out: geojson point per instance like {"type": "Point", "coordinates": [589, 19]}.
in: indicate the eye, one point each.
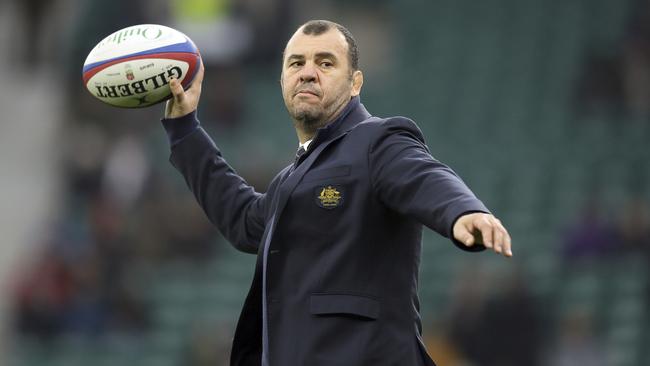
{"type": "Point", "coordinates": [295, 64]}
{"type": "Point", "coordinates": [326, 64]}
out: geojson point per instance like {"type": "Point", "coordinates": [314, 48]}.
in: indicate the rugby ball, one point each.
{"type": "Point", "coordinates": [131, 68]}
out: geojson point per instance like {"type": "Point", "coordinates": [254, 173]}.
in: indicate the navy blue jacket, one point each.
{"type": "Point", "coordinates": [342, 229]}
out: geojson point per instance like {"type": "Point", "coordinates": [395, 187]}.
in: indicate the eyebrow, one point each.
{"type": "Point", "coordinates": [319, 55]}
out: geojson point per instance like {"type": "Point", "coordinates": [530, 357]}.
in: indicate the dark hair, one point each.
{"type": "Point", "coordinates": [318, 27]}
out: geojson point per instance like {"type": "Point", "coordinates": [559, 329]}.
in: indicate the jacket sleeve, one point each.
{"type": "Point", "coordinates": [230, 203]}
{"type": "Point", "coordinates": [407, 179]}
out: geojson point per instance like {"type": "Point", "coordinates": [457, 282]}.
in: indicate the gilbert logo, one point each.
{"type": "Point", "coordinates": [139, 86]}
{"type": "Point", "coordinates": [329, 197]}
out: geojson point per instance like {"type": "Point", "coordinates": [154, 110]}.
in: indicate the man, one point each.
{"type": "Point", "coordinates": [338, 232]}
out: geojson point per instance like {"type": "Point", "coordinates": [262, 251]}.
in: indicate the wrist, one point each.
{"type": "Point", "coordinates": [178, 128]}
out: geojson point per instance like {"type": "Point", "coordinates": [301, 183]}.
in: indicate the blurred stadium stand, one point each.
{"type": "Point", "coordinates": [496, 88]}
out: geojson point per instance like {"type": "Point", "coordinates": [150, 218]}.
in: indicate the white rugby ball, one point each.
{"type": "Point", "coordinates": [131, 68]}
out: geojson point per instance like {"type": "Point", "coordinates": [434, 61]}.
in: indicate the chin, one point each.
{"type": "Point", "coordinates": [307, 115]}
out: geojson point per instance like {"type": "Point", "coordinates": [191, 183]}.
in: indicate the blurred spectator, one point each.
{"type": "Point", "coordinates": [223, 38]}
{"type": "Point", "coordinates": [440, 347]}
{"type": "Point", "coordinates": [619, 82]}
{"type": "Point", "coordinates": [636, 61]}
{"type": "Point", "coordinates": [511, 316]}
{"type": "Point", "coordinates": [576, 343]}
{"type": "Point", "coordinates": [271, 23]}
{"type": "Point", "coordinates": [31, 15]}
{"type": "Point", "coordinates": [222, 103]}
{"type": "Point", "coordinates": [42, 296]}
{"type": "Point", "coordinates": [127, 169]}
{"type": "Point", "coordinates": [209, 345]}
{"type": "Point", "coordinates": [129, 314]}
{"type": "Point", "coordinates": [221, 34]}
{"type": "Point", "coordinates": [83, 160]}
{"type": "Point", "coordinates": [590, 236]}
{"type": "Point", "coordinates": [168, 224]}
{"type": "Point", "coordinates": [635, 233]}
{"type": "Point", "coordinates": [635, 227]}
{"type": "Point", "coordinates": [600, 85]}
{"type": "Point", "coordinates": [502, 329]}
{"type": "Point", "coordinates": [79, 287]}
{"type": "Point", "coordinates": [466, 308]}
{"type": "Point", "coordinates": [87, 312]}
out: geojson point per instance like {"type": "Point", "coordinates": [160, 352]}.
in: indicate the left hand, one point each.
{"type": "Point", "coordinates": [184, 101]}
{"type": "Point", "coordinates": [482, 228]}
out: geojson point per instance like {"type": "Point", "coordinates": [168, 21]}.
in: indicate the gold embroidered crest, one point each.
{"type": "Point", "coordinates": [329, 197]}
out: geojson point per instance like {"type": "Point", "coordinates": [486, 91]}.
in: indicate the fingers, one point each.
{"type": "Point", "coordinates": [502, 243]}
{"type": "Point", "coordinates": [177, 91]}
{"type": "Point", "coordinates": [195, 86]}
{"type": "Point", "coordinates": [465, 236]}
{"type": "Point", "coordinates": [184, 101]}
{"type": "Point", "coordinates": [507, 244]}
{"type": "Point", "coordinates": [198, 79]}
{"type": "Point", "coordinates": [484, 229]}
{"type": "Point", "coordinates": [500, 238]}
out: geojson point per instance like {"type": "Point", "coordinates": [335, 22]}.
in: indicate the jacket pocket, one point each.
{"type": "Point", "coordinates": [327, 173]}
{"type": "Point", "coordinates": [344, 304]}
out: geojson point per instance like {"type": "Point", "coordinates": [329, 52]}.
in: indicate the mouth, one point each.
{"type": "Point", "coordinates": [306, 92]}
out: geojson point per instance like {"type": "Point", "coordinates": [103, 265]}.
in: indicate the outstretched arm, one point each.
{"type": "Point", "coordinates": [409, 180]}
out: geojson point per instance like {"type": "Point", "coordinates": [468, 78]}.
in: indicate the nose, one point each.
{"type": "Point", "coordinates": [308, 73]}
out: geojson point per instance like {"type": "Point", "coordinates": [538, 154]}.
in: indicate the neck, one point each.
{"type": "Point", "coordinates": [303, 136]}
{"type": "Point", "coordinates": [307, 130]}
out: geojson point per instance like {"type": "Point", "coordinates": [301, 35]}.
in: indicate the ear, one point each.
{"type": "Point", "coordinates": [357, 82]}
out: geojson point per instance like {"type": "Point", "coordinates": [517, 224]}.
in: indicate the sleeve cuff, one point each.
{"type": "Point", "coordinates": [181, 127]}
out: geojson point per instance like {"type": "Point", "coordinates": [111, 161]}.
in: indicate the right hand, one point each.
{"type": "Point", "coordinates": [184, 101]}
{"type": "Point", "coordinates": [483, 228]}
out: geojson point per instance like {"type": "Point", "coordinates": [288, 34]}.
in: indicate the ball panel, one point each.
{"type": "Point", "coordinates": [135, 39]}
{"type": "Point", "coordinates": [194, 64]}
{"type": "Point", "coordinates": [187, 47]}
{"type": "Point", "coordinates": [189, 58]}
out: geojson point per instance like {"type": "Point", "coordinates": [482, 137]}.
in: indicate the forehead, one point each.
{"type": "Point", "coordinates": [308, 44]}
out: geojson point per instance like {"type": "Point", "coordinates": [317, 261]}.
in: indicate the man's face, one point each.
{"type": "Point", "coordinates": [317, 81]}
